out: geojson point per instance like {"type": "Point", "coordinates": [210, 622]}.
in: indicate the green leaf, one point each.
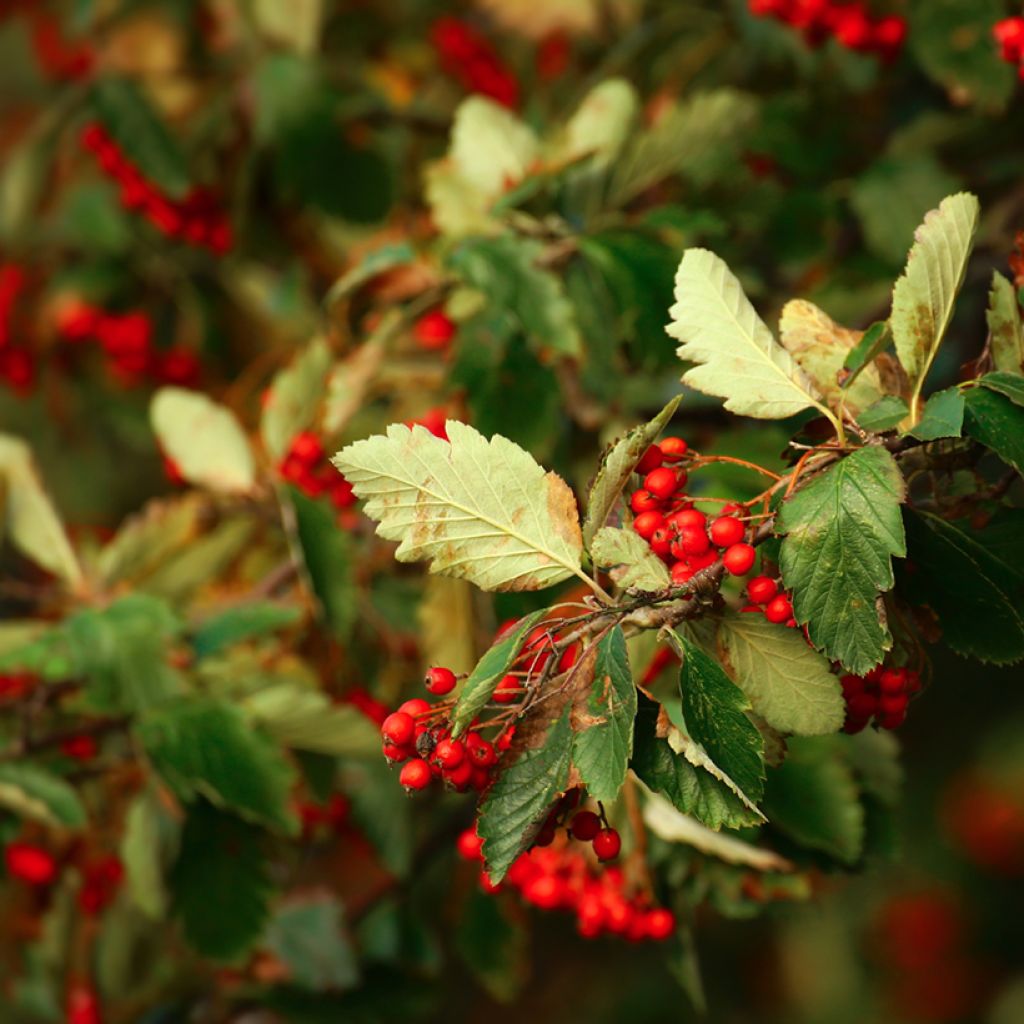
{"type": "Point", "coordinates": [715, 711]}
{"type": "Point", "coordinates": [997, 423]}
{"type": "Point", "coordinates": [203, 747]}
{"type": "Point", "coordinates": [378, 261]}
{"type": "Point", "coordinates": [813, 799]}
{"type": "Point", "coordinates": [477, 689]}
{"type": "Point", "coordinates": [292, 399]}
{"type": "Point", "coordinates": [603, 742]}
{"type": "Point", "coordinates": [630, 559]}
{"type": "Point", "coordinates": [974, 587]}
{"type": "Point", "coordinates": [942, 416]}
{"type": "Point", "coordinates": [871, 345]}
{"type": "Point", "coordinates": [515, 805]}
{"type": "Point", "coordinates": [507, 270]}
{"type": "Point", "coordinates": [923, 299]}
{"type": "Point", "coordinates": [477, 509]}
{"type": "Point", "coordinates": [874, 754]}
{"type": "Point", "coordinates": [141, 134]}
{"type": "Point", "coordinates": [326, 554]}
{"type": "Point", "coordinates": [690, 788]}
{"type": "Point", "coordinates": [886, 414]}
{"type": "Point", "coordinates": [149, 846]}
{"type": "Point", "coordinates": [617, 467]}
{"type": "Point", "coordinates": [1006, 335]}
{"type": "Point", "coordinates": [27, 514]}
{"type": "Point", "coordinates": [493, 945]}
{"type": "Point", "coordinates": [243, 622]}
{"type": "Point", "coordinates": [1009, 384]}
{"type": "Point", "coordinates": [220, 883]}
{"type": "Point", "coordinates": [308, 937]}
{"type": "Point", "coordinates": [789, 684]}
{"type": "Point", "coordinates": [381, 810]}
{"type": "Point", "coordinates": [204, 439]}
{"type": "Point", "coordinates": [841, 531]}
{"type": "Point", "coordinates": [737, 358]}
{"type": "Point", "coordinates": [304, 719]}
{"type": "Point", "coordinates": [34, 793]}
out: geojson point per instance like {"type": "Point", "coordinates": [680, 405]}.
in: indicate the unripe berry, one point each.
{"type": "Point", "coordinates": [585, 825]}
{"type": "Point", "coordinates": [778, 609]}
{"type": "Point", "coordinates": [643, 501]}
{"type": "Point", "coordinates": [761, 589]}
{"type": "Point", "coordinates": [450, 753]}
{"type": "Point", "coordinates": [661, 482]}
{"type": "Point", "coordinates": [652, 459]}
{"type": "Point", "coordinates": [727, 531]}
{"type": "Point", "coordinates": [415, 774]}
{"type": "Point", "coordinates": [673, 448]}
{"type": "Point", "coordinates": [470, 845]}
{"type": "Point", "coordinates": [607, 844]}
{"type": "Point", "coordinates": [399, 728]}
{"type": "Point", "coordinates": [739, 559]}
{"type": "Point", "coordinates": [440, 681]}
{"type": "Point", "coordinates": [508, 690]}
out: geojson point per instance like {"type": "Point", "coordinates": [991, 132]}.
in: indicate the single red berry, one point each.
{"type": "Point", "coordinates": [417, 707]}
{"type": "Point", "coordinates": [688, 519]}
{"type": "Point", "coordinates": [661, 482]}
{"type": "Point", "coordinates": [854, 725]}
{"type": "Point", "coordinates": [80, 748]}
{"type": "Point", "coordinates": [778, 609]}
{"type": "Point", "coordinates": [643, 501]}
{"type": "Point", "coordinates": [739, 559]}
{"type": "Point", "coordinates": [647, 522]}
{"type": "Point", "coordinates": [681, 573]}
{"type": "Point", "coordinates": [83, 1005]}
{"type": "Point", "coordinates": [851, 684]}
{"type": "Point", "coordinates": [892, 721]}
{"type": "Point", "coordinates": [652, 459]}
{"type": "Point", "coordinates": [307, 447]}
{"type": "Point", "coordinates": [460, 777]}
{"type": "Point", "coordinates": [893, 680]}
{"type": "Point", "coordinates": [440, 681]}
{"type": "Point", "coordinates": [761, 589]}
{"type": "Point", "coordinates": [395, 753]}
{"type": "Point", "coordinates": [399, 728]}
{"type": "Point", "coordinates": [415, 774]}
{"type": "Point", "coordinates": [470, 845]}
{"type": "Point", "coordinates": [508, 690]}
{"type": "Point", "coordinates": [727, 531]}
{"type": "Point", "coordinates": [693, 541]}
{"type": "Point", "coordinates": [893, 703]}
{"type": "Point", "coordinates": [544, 891]}
{"type": "Point", "coordinates": [673, 448]}
{"type": "Point", "coordinates": [659, 923]}
{"type": "Point", "coordinates": [585, 825]}
{"type": "Point", "coordinates": [607, 844]}
{"type": "Point", "coordinates": [434, 330]}
{"type": "Point", "coordinates": [30, 864]}
{"type": "Point", "coordinates": [481, 752]}
{"type": "Point", "coordinates": [450, 753]}
{"type": "Point", "coordinates": [569, 657]}
{"type": "Point", "coordinates": [661, 541]}
{"type": "Point", "coordinates": [861, 705]}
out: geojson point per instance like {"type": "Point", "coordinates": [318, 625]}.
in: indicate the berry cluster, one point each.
{"type": "Point", "coordinates": [330, 817]}
{"type": "Point", "coordinates": [197, 219]}
{"type": "Point", "coordinates": [306, 466]}
{"type": "Point", "coordinates": [126, 340]}
{"type": "Point", "coordinates": [36, 866]}
{"type": "Point", "coordinates": [17, 367]}
{"type": "Point", "coordinates": [561, 877]}
{"type": "Point", "coordinates": [434, 331]}
{"type": "Point", "coordinates": [584, 826]}
{"type": "Point", "coordinates": [100, 882]}
{"type": "Point", "coordinates": [883, 694]}
{"type": "Point", "coordinates": [849, 22]}
{"type": "Point", "coordinates": [765, 597]}
{"type": "Point", "coordinates": [678, 533]}
{"type": "Point", "coordinates": [471, 59]}
{"type": "Point", "coordinates": [1009, 34]}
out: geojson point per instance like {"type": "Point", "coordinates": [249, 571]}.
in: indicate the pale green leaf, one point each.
{"type": "Point", "coordinates": [789, 684]}
{"type": "Point", "coordinates": [292, 399]}
{"type": "Point", "coordinates": [886, 414]}
{"type": "Point", "coordinates": [148, 848]}
{"type": "Point", "coordinates": [629, 558]}
{"type": "Point", "coordinates": [477, 509]}
{"type": "Point", "coordinates": [1006, 383]}
{"type": "Point", "coordinates": [601, 124]}
{"type": "Point", "coordinates": [1004, 325]}
{"type": "Point", "coordinates": [737, 358]}
{"type": "Point", "coordinates": [841, 531]}
{"type": "Point", "coordinates": [942, 416]}
{"type": "Point", "coordinates": [204, 439]}
{"type": "Point", "coordinates": [997, 422]}
{"type": "Point", "coordinates": [308, 937]}
{"type": "Point", "coordinates": [34, 793]}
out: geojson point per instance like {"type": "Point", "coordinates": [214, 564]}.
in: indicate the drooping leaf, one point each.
{"type": "Point", "coordinates": [840, 533]}
{"type": "Point", "coordinates": [1004, 325]}
{"type": "Point", "coordinates": [789, 684]}
{"type": "Point", "coordinates": [204, 440]}
{"type": "Point", "coordinates": [39, 795]}
{"type": "Point", "coordinates": [997, 423]}
{"type": "Point", "coordinates": [617, 467]}
{"type": "Point", "coordinates": [242, 622]}
{"type": "Point", "coordinates": [477, 509]}
{"type": "Point", "coordinates": [515, 805]}
{"type": "Point", "coordinates": [28, 517]}
{"type": "Point", "coordinates": [291, 401]}
{"type": "Point", "coordinates": [603, 742]}
{"type": "Point", "coordinates": [886, 414]}
{"type": "Point", "coordinates": [715, 711]}
{"type": "Point", "coordinates": [629, 558]}
{"type": "Point", "coordinates": [1009, 384]}
{"type": "Point", "coordinates": [737, 358]}
{"type": "Point", "coordinates": [307, 935]}
{"type": "Point", "coordinates": [974, 586]}
{"type": "Point", "coordinates": [204, 747]}
{"type": "Point", "coordinates": [923, 299]}
{"type": "Point", "coordinates": [942, 416]}
{"type": "Point", "coordinates": [477, 689]}
{"type": "Point", "coordinates": [149, 847]}
{"type": "Point", "coordinates": [220, 883]}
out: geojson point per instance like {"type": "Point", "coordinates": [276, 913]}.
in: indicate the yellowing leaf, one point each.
{"type": "Point", "coordinates": [737, 358]}
{"type": "Point", "coordinates": [601, 123]}
{"type": "Point", "coordinates": [204, 439]}
{"type": "Point", "coordinates": [476, 509]}
{"type": "Point", "coordinates": [447, 623]}
{"type": "Point", "coordinates": [1003, 316]}
{"type": "Point", "coordinates": [820, 346]}
{"type": "Point", "coordinates": [922, 301]}
{"type": "Point", "coordinates": [630, 559]}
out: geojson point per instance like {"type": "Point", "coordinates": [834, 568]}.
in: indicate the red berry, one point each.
{"type": "Point", "coordinates": [569, 657]}
{"type": "Point", "coordinates": [647, 522]}
{"type": "Point", "coordinates": [861, 705]}
{"type": "Point", "coordinates": [739, 559]}
{"type": "Point", "coordinates": [396, 753]}
{"type": "Point", "coordinates": [399, 728]}
{"type": "Point", "coordinates": [440, 681]}
{"type": "Point", "coordinates": [893, 703]}
{"type": "Point", "coordinates": [851, 685]}
{"type": "Point", "coordinates": [434, 330]}
{"type": "Point", "coordinates": [688, 519]}
{"type": "Point", "coordinates": [659, 923]}
{"type": "Point", "coordinates": [893, 680]}
{"type": "Point", "coordinates": [651, 460]}
{"type": "Point", "coordinates": [643, 501]}
{"type": "Point", "coordinates": [83, 1005]}
{"type": "Point", "coordinates": [694, 541]}
{"type": "Point", "coordinates": [29, 863]}
{"type": "Point", "coordinates": [854, 725]}
{"type": "Point", "coordinates": [661, 482]}
{"type": "Point", "coordinates": [450, 753]}
{"type": "Point", "coordinates": [761, 589]}
{"type": "Point", "coordinates": [416, 708]}
{"type": "Point", "coordinates": [607, 844]}
{"type": "Point", "coordinates": [470, 845]}
{"type": "Point", "coordinates": [778, 609]}
{"type": "Point", "coordinates": [673, 448]}
{"type": "Point", "coordinates": [727, 531]}
{"type": "Point", "coordinates": [661, 541]}
{"type": "Point", "coordinates": [544, 891]}
{"type": "Point", "coordinates": [893, 720]}
{"type": "Point", "coordinates": [460, 776]}
{"type": "Point", "coordinates": [681, 573]}
{"type": "Point", "coordinates": [307, 447]}
{"type": "Point", "coordinates": [508, 690]}
{"type": "Point", "coordinates": [585, 825]}
{"type": "Point", "coordinates": [415, 774]}
{"type": "Point", "coordinates": [481, 752]}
